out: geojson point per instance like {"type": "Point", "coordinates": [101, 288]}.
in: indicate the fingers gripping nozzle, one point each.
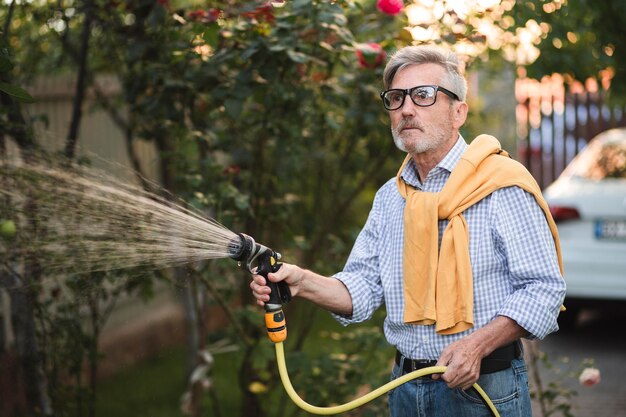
{"type": "Point", "coordinates": [261, 260]}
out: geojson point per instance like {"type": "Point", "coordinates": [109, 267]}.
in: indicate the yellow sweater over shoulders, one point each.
{"type": "Point", "coordinates": [438, 281]}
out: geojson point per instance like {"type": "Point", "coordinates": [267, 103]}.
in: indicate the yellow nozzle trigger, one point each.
{"type": "Point", "coordinates": [272, 261]}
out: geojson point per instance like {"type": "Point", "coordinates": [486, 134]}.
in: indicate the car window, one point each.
{"type": "Point", "coordinates": [600, 160]}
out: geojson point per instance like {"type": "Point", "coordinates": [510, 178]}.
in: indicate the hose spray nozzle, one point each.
{"type": "Point", "coordinates": [261, 260]}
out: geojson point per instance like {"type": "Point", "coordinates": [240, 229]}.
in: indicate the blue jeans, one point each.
{"type": "Point", "coordinates": [425, 397]}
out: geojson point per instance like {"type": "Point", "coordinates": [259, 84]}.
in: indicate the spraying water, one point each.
{"type": "Point", "coordinates": [82, 221]}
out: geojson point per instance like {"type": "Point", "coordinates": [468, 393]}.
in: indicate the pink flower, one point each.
{"type": "Point", "coordinates": [589, 377]}
{"type": "Point", "coordinates": [390, 7]}
{"type": "Point", "coordinates": [370, 55]}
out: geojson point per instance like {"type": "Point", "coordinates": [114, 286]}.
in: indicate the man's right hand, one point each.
{"type": "Point", "coordinates": [329, 293]}
{"type": "Point", "coordinates": [292, 274]}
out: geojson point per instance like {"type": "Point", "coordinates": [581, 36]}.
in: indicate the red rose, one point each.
{"type": "Point", "coordinates": [232, 170]}
{"type": "Point", "coordinates": [390, 7]}
{"type": "Point", "coordinates": [214, 14]}
{"type": "Point", "coordinates": [204, 16]}
{"type": "Point", "coordinates": [262, 13]}
{"type": "Point", "coordinates": [370, 55]}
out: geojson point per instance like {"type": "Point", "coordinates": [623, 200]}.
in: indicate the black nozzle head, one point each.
{"type": "Point", "coordinates": [241, 247]}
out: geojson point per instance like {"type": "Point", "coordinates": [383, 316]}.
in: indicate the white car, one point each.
{"type": "Point", "coordinates": [588, 202]}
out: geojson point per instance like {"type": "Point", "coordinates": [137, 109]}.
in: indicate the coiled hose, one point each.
{"type": "Point", "coordinates": [284, 376]}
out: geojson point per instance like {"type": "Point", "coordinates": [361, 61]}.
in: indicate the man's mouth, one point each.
{"type": "Point", "coordinates": [405, 125]}
{"type": "Point", "coordinates": [410, 127]}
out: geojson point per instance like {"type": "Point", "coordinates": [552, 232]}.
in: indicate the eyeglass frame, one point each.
{"type": "Point", "coordinates": [407, 92]}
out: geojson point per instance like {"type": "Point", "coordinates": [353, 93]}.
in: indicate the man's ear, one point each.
{"type": "Point", "coordinates": [459, 114]}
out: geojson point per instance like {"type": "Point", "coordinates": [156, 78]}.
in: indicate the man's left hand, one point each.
{"type": "Point", "coordinates": [462, 358]}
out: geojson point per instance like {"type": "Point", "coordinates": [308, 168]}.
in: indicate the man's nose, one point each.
{"type": "Point", "coordinates": [408, 107]}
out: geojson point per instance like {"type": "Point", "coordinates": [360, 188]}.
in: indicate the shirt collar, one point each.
{"type": "Point", "coordinates": [452, 158]}
{"type": "Point", "coordinates": [409, 174]}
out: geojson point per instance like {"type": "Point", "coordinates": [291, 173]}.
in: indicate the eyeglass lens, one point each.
{"type": "Point", "coordinates": [421, 96]}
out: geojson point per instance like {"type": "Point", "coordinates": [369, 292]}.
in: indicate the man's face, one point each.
{"type": "Point", "coordinates": [419, 130]}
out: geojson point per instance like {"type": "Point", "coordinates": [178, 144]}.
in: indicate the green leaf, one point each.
{"type": "Point", "coordinates": [301, 3]}
{"type": "Point", "coordinates": [211, 34]}
{"type": "Point", "coordinates": [157, 16]}
{"type": "Point", "coordinates": [333, 16]}
{"type": "Point", "coordinates": [277, 48]}
{"type": "Point", "coordinates": [233, 108]}
{"type": "Point", "coordinates": [249, 52]}
{"type": "Point", "coordinates": [16, 92]}
{"type": "Point", "coordinates": [298, 57]}
{"type": "Point", "coordinates": [5, 60]}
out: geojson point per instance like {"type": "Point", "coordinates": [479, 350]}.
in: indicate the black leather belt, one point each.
{"type": "Point", "coordinates": [498, 360]}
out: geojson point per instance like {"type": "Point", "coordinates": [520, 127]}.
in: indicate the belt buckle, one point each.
{"type": "Point", "coordinates": [419, 364]}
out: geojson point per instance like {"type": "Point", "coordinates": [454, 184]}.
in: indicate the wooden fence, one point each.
{"type": "Point", "coordinates": [100, 139]}
{"type": "Point", "coordinates": [555, 123]}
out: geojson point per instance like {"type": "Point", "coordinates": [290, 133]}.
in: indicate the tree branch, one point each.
{"type": "Point", "coordinates": [342, 206]}
{"type": "Point", "coordinates": [103, 101]}
{"type": "Point", "coordinates": [226, 308]}
{"type": "Point", "coordinates": [7, 22]}
{"type": "Point", "coordinates": [79, 97]}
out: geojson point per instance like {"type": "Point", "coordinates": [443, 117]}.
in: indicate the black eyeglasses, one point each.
{"type": "Point", "coordinates": [422, 95]}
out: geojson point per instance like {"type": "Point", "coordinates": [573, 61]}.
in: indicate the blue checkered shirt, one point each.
{"type": "Point", "coordinates": [514, 264]}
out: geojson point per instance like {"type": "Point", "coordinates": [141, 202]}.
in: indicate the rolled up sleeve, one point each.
{"type": "Point", "coordinates": [538, 288]}
{"type": "Point", "coordinates": [361, 274]}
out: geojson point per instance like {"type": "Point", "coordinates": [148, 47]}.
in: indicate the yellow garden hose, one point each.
{"type": "Point", "coordinates": [266, 261]}
{"type": "Point", "coordinates": [284, 376]}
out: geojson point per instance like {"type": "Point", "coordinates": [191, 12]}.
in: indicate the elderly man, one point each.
{"type": "Point", "coordinates": [460, 247]}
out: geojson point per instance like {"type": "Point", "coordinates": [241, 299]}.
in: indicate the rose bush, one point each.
{"type": "Point", "coordinates": [262, 117]}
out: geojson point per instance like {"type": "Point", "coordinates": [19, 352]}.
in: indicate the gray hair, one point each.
{"type": "Point", "coordinates": [426, 54]}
